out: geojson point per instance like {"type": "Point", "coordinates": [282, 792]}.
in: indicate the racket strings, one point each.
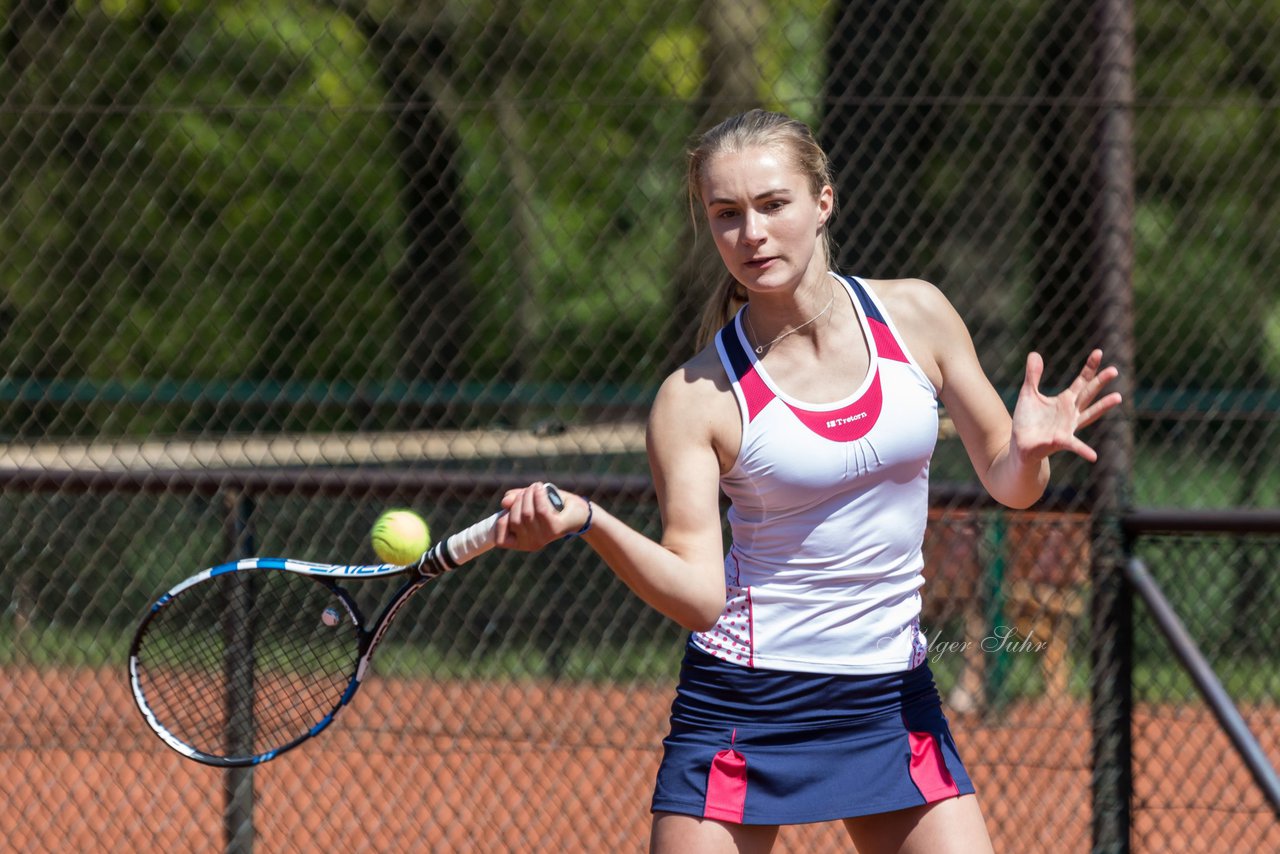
{"type": "Point", "coordinates": [244, 663]}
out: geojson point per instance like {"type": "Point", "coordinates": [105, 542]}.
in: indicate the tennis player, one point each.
{"type": "Point", "coordinates": [805, 693]}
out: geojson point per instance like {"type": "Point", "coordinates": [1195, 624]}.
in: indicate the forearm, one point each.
{"type": "Point", "coordinates": [1015, 479]}
{"type": "Point", "coordinates": [686, 588]}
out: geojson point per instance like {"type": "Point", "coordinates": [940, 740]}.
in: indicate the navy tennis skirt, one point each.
{"type": "Point", "coordinates": [756, 746]}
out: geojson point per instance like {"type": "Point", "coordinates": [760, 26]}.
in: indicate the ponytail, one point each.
{"type": "Point", "coordinates": [728, 297]}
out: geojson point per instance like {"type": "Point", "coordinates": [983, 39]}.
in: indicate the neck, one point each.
{"type": "Point", "coordinates": [787, 308]}
{"type": "Point", "coordinates": [799, 313]}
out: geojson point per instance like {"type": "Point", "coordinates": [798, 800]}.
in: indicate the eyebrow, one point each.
{"type": "Point", "coordinates": [781, 191]}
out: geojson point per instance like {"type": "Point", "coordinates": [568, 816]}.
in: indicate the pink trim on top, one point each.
{"type": "Point", "coordinates": [886, 343]}
{"type": "Point", "coordinates": [928, 769]}
{"type": "Point", "coordinates": [755, 392]}
{"type": "Point", "coordinates": [848, 423]}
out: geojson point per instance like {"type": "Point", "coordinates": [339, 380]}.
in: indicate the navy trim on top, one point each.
{"type": "Point", "coordinates": [869, 307]}
{"type": "Point", "coordinates": [737, 354]}
{"type": "Point", "coordinates": [738, 357]}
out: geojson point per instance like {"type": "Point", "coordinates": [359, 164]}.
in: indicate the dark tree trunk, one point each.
{"type": "Point", "coordinates": [431, 279]}
{"type": "Point", "coordinates": [879, 131]}
{"type": "Point", "coordinates": [1062, 166]}
{"type": "Point", "coordinates": [732, 85]}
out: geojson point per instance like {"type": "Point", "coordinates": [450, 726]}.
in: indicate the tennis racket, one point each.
{"type": "Point", "coordinates": [246, 660]}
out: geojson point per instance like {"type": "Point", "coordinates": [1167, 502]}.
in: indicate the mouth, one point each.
{"type": "Point", "coordinates": [762, 263]}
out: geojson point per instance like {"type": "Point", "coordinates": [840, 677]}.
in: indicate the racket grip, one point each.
{"type": "Point", "coordinates": [474, 541]}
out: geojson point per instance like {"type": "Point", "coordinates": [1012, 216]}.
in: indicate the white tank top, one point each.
{"type": "Point", "coordinates": [828, 510]}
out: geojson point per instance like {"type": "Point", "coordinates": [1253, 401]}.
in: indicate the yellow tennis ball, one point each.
{"type": "Point", "coordinates": [400, 537]}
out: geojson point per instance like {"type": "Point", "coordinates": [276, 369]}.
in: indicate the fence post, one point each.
{"type": "Point", "coordinates": [1111, 640]}
{"type": "Point", "coordinates": [997, 548]}
{"type": "Point", "coordinates": [1111, 697]}
{"type": "Point", "coordinates": [237, 783]}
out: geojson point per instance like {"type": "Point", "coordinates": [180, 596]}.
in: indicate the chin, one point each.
{"type": "Point", "coordinates": [779, 276]}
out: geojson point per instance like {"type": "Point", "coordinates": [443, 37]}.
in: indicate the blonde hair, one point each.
{"type": "Point", "coordinates": [755, 128]}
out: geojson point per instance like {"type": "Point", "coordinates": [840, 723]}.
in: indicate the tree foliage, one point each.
{"type": "Point", "coordinates": [199, 193]}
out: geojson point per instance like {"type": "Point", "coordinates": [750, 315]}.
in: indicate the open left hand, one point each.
{"type": "Point", "coordinates": [1043, 425]}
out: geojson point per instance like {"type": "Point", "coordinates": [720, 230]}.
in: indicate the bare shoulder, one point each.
{"type": "Point", "coordinates": [930, 326]}
{"type": "Point", "coordinates": [912, 302]}
{"type": "Point", "coordinates": [696, 386]}
{"type": "Point", "coordinates": [695, 406]}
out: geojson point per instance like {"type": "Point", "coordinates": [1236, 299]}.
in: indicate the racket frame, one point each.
{"type": "Point", "coordinates": [440, 558]}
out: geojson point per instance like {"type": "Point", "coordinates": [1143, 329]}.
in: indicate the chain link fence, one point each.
{"type": "Point", "coordinates": [267, 268]}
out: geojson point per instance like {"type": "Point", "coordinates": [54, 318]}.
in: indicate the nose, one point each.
{"type": "Point", "coordinates": [753, 231]}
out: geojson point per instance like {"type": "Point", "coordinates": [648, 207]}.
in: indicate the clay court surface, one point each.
{"type": "Point", "coordinates": [524, 766]}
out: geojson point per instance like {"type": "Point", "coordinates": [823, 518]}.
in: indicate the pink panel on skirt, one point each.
{"type": "Point", "coordinates": [726, 787]}
{"type": "Point", "coordinates": [928, 769]}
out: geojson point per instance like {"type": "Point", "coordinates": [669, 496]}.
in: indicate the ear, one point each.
{"type": "Point", "coordinates": [826, 204]}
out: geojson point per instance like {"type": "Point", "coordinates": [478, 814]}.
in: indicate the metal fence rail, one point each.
{"type": "Point", "coordinates": [1207, 682]}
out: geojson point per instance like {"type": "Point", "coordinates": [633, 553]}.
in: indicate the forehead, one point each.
{"type": "Point", "coordinates": [745, 173]}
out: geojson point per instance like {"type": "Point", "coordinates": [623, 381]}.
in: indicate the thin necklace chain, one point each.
{"type": "Point", "coordinates": [760, 348]}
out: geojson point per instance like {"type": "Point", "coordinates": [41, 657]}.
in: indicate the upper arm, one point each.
{"type": "Point", "coordinates": [685, 433]}
{"type": "Point", "coordinates": [940, 341]}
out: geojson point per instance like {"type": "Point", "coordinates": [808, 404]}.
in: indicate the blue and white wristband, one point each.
{"type": "Point", "coordinates": [586, 526]}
